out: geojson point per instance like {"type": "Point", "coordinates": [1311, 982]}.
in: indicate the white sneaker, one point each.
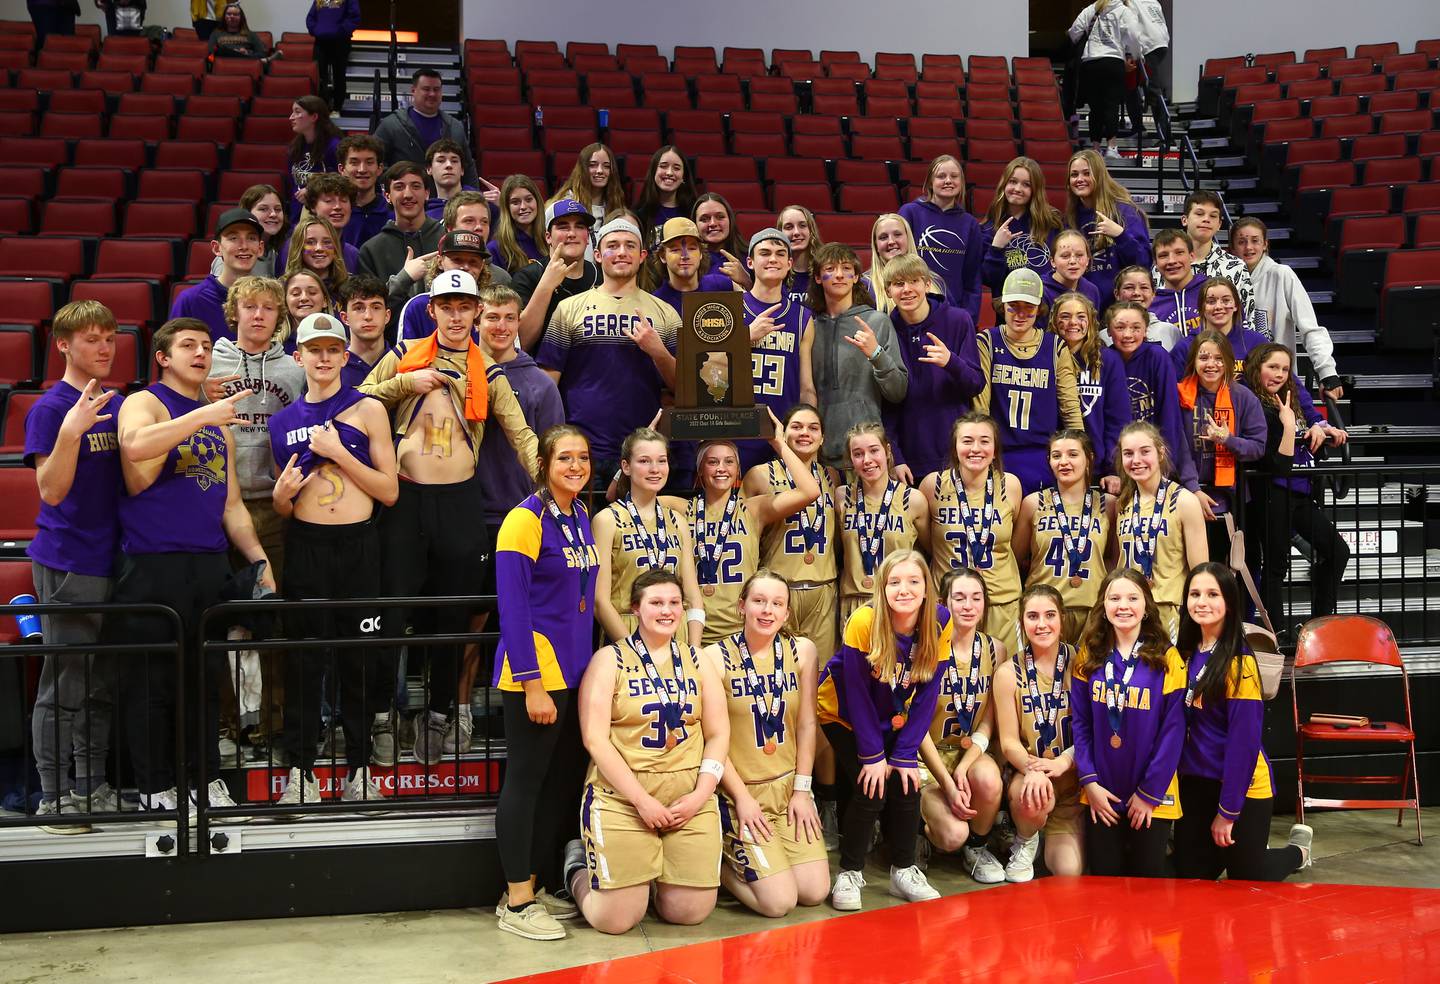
{"type": "Point", "coordinates": [299, 790]}
{"type": "Point", "coordinates": [531, 922]}
{"type": "Point", "coordinates": [1302, 836]}
{"type": "Point", "coordinates": [1112, 154]}
{"type": "Point", "coordinates": [457, 735]}
{"type": "Point", "coordinates": [217, 794]}
{"type": "Point", "coordinates": [911, 885]}
{"type": "Point", "coordinates": [845, 896]}
{"type": "Point", "coordinates": [362, 788]}
{"type": "Point", "coordinates": [102, 799]}
{"type": "Point", "coordinates": [559, 907]}
{"type": "Point", "coordinates": [983, 866]}
{"type": "Point", "coordinates": [166, 799]}
{"type": "Point", "coordinates": [1021, 866]}
{"type": "Point", "coordinates": [54, 809]}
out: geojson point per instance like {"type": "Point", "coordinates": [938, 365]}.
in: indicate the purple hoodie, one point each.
{"type": "Point", "coordinates": [1247, 441]}
{"type": "Point", "coordinates": [1180, 306]}
{"type": "Point", "coordinates": [330, 20]}
{"type": "Point", "coordinates": [506, 481]}
{"type": "Point", "coordinates": [1023, 250]}
{"type": "Point", "coordinates": [1153, 397]}
{"type": "Point", "coordinates": [952, 244]}
{"type": "Point", "coordinates": [1241, 342]}
{"type": "Point", "coordinates": [1105, 402]}
{"type": "Point", "coordinates": [1054, 289]}
{"type": "Point", "coordinates": [936, 398]}
{"type": "Point", "coordinates": [1130, 248]}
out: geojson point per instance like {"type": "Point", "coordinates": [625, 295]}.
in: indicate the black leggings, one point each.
{"type": "Point", "coordinates": [1121, 850]}
{"type": "Point", "coordinates": [540, 801]}
{"type": "Point", "coordinates": [1284, 512]}
{"type": "Point", "coordinates": [1104, 86]}
{"type": "Point", "coordinates": [897, 811]}
{"type": "Point", "coordinates": [1248, 859]}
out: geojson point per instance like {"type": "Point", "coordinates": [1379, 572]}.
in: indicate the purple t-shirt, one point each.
{"type": "Point", "coordinates": [206, 301]}
{"type": "Point", "coordinates": [82, 533]}
{"type": "Point", "coordinates": [290, 429]}
{"type": "Point", "coordinates": [354, 371]}
{"type": "Point", "coordinates": [708, 281]}
{"type": "Point", "coordinates": [430, 128]}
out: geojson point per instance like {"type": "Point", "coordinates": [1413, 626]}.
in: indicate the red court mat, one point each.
{"type": "Point", "coordinates": [1078, 929]}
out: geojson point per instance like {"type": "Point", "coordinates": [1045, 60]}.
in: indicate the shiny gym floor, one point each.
{"type": "Point", "coordinates": [1368, 910]}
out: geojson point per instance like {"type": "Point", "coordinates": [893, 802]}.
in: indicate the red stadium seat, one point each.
{"type": "Point", "coordinates": [131, 65]}
{"type": "Point", "coordinates": [933, 126]}
{"type": "Point", "coordinates": [1310, 89]}
{"type": "Point", "coordinates": [869, 199]}
{"type": "Point", "coordinates": [1378, 145]}
{"type": "Point", "coordinates": [751, 144]}
{"type": "Point", "coordinates": [89, 101]}
{"type": "Point", "coordinates": [1388, 102]}
{"type": "Point", "coordinates": [1349, 202]}
{"type": "Point", "coordinates": [19, 100]}
{"type": "Point", "coordinates": [109, 184]}
{"type": "Point", "coordinates": [225, 107]}
{"type": "Point", "coordinates": [188, 156]}
{"type": "Point", "coordinates": [23, 182]}
{"type": "Point", "coordinates": [818, 145]}
{"type": "Point", "coordinates": [1422, 198]}
{"type": "Point", "coordinates": [25, 302]}
{"type": "Point", "coordinates": [815, 197]}
{"type": "Point", "coordinates": [1416, 121]}
{"type": "Point", "coordinates": [214, 129]}
{"type": "Point", "coordinates": [44, 79]}
{"type": "Point", "coordinates": [179, 86]}
{"type": "Point", "coordinates": [240, 86]}
{"type": "Point", "coordinates": [17, 124]}
{"type": "Point", "coordinates": [153, 104]}
{"type": "Point", "coordinates": [1297, 72]}
{"type": "Point", "coordinates": [131, 301]}
{"type": "Point", "coordinates": [862, 173]}
{"type": "Point", "coordinates": [1392, 171]}
{"type": "Point", "coordinates": [43, 258]}
{"type": "Point", "coordinates": [20, 494]}
{"type": "Point", "coordinates": [17, 407]}
{"type": "Point", "coordinates": [135, 259]}
{"type": "Point", "coordinates": [233, 184]}
{"type": "Point", "coordinates": [989, 130]}
{"type": "Point", "coordinates": [86, 218]}
{"type": "Point", "coordinates": [1360, 260]}
{"type": "Point", "coordinates": [799, 170]}
{"type": "Point", "coordinates": [129, 154]}
{"type": "Point", "coordinates": [267, 130]}
{"type": "Point", "coordinates": [990, 150]}
{"type": "Point", "coordinates": [245, 158]}
{"type": "Point", "coordinates": [1377, 52]}
{"type": "Point", "coordinates": [876, 148]}
{"type": "Point", "coordinates": [990, 110]}
{"type": "Point", "coordinates": [741, 195]}
{"type": "Point", "coordinates": [242, 67]}
{"type": "Point", "coordinates": [149, 128]}
{"type": "Point", "coordinates": [1347, 126]}
{"type": "Point", "coordinates": [172, 186]}
{"type": "Point", "coordinates": [1358, 85]}
{"type": "Point", "coordinates": [1342, 67]}
{"type": "Point", "coordinates": [726, 168]}
{"type": "Point", "coordinates": [41, 151]}
{"type": "Point", "coordinates": [63, 61]}
{"type": "Point", "coordinates": [191, 65]}
{"type": "Point", "coordinates": [1422, 80]}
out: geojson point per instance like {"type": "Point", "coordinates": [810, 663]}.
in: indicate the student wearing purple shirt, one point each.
{"type": "Point", "coordinates": [71, 441]}
{"type": "Point", "coordinates": [1220, 311]}
{"type": "Point", "coordinates": [182, 513]}
{"type": "Point", "coordinates": [799, 226]}
{"type": "Point", "coordinates": [720, 234]}
{"type": "Point", "coordinates": [520, 227]}
{"type": "Point", "coordinates": [1127, 708]}
{"type": "Point", "coordinates": [876, 699]}
{"type": "Point", "coordinates": [1177, 292]}
{"type": "Point", "coordinates": [1099, 377]}
{"type": "Point", "coordinates": [947, 237]}
{"type": "Point", "coordinates": [238, 242]}
{"type": "Point", "coordinates": [1020, 226]}
{"type": "Point", "coordinates": [361, 158]}
{"type": "Point", "coordinates": [332, 198]}
{"type": "Point", "coordinates": [611, 349]}
{"type": "Point", "coordinates": [408, 131]}
{"type": "Point", "coordinates": [1101, 208]}
{"type": "Point", "coordinates": [1070, 261]}
{"type": "Point", "coordinates": [362, 308]}
{"type": "Point", "coordinates": [777, 323]}
{"type": "Point", "coordinates": [937, 344]}
{"type": "Point", "coordinates": [681, 255]}
{"type": "Point", "coordinates": [1227, 787]}
{"type": "Point", "coordinates": [1150, 380]}
{"type": "Point", "coordinates": [1226, 425]}
{"type": "Point", "coordinates": [668, 192]}
{"type": "Point", "coordinates": [313, 150]}
{"type": "Point", "coordinates": [1280, 494]}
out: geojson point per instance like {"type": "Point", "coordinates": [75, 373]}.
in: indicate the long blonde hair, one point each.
{"type": "Point", "coordinates": [884, 651]}
{"type": "Point", "coordinates": [1044, 218]}
{"type": "Point", "coordinates": [513, 257]}
{"type": "Point", "coordinates": [336, 276]}
{"type": "Point", "coordinates": [1087, 356]}
{"type": "Point", "coordinates": [880, 267]}
{"type": "Point", "coordinates": [578, 186]}
{"type": "Point", "coordinates": [1108, 193]}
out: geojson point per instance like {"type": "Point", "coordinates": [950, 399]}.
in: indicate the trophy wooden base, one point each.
{"type": "Point", "coordinates": [720, 423]}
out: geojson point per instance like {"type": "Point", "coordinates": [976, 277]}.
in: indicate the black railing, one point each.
{"type": "Point", "coordinates": [110, 655]}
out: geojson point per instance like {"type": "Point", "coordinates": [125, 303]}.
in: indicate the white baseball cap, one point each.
{"type": "Point", "coordinates": [314, 327]}
{"type": "Point", "coordinates": [454, 282]}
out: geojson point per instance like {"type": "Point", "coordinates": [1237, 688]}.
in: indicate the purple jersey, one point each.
{"type": "Point", "coordinates": [936, 396]}
{"type": "Point", "coordinates": [354, 371]}
{"type": "Point", "coordinates": [1223, 740]}
{"type": "Point", "coordinates": [1022, 392]}
{"type": "Point", "coordinates": [290, 430]}
{"type": "Point", "coordinates": [182, 509]}
{"type": "Point", "coordinates": [80, 534]}
{"type": "Point", "coordinates": [775, 363]}
{"type": "Point", "coordinates": [1105, 402]}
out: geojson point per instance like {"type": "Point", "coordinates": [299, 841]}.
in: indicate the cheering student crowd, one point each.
{"type": "Point", "coordinates": [420, 389]}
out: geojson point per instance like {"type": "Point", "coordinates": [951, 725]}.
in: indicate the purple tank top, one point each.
{"type": "Point", "coordinates": [182, 509]}
{"type": "Point", "coordinates": [1023, 399]}
{"type": "Point", "coordinates": [290, 430]}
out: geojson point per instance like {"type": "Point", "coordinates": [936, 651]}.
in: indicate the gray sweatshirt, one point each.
{"type": "Point", "coordinates": [1284, 312]}
{"type": "Point", "coordinates": [277, 380]}
{"type": "Point", "coordinates": [850, 387]}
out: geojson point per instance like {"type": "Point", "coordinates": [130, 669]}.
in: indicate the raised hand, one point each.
{"type": "Point", "coordinates": [85, 414]}
{"type": "Point", "coordinates": [643, 334]}
{"type": "Point", "coordinates": [222, 412]}
{"type": "Point", "coordinates": [215, 387]}
{"type": "Point", "coordinates": [763, 324]}
{"type": "Point", "coordinates": [491, 193]}
{"type": "Point", "coordinates": [1003, 233]}
{"type": "Point", "coordinates": [937, 353]}
{"type": "Point", "coordinates": [1107, 226]}
{"type": "Point", "coordinates": [864, 339]}
{"type": "Point", "coordinates": [291, 481]}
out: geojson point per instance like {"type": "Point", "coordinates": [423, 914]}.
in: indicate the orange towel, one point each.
{"type": "Point", "coordinates": [422, 354]}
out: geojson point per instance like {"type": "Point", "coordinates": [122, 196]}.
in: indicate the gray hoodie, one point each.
{"type": "Point", "coordinates": [277, 380]}
{"type": "Point", "coordinates": [849, 387]}
{"type": "Point", "coordinates": [1284, 312]}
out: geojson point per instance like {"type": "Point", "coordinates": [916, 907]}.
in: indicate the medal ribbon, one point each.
{"type": "Point", "coordinates": [967, 694]}
{"type": "Point", "coordinates": [1072, 535]}
{"type": "Point", "coordinates": [812, 532]}
{"type": "Point", "coordinates": [656, 546]}
{"type": "Point", "coordinates": [1045, 723]}
{"type": "Point", "coordinates": [981, 539]}
{"type": "Point", "coordinates": [1145, 534]}
{"type": "Point", "coordinates": [767, 706]}
{"type": "Point", "coordinates": [673, 713]}
{"type": "Point", "coordinates": [872, 538]}
{"type": "Point", "coordinates": [709, 553]}
{"type": "Point", "coordinates": [573, 537]}
{"type": "Point", "coordinates": [900, 688]}
{"type": "Point", "coordinates": [1193, 672]}
{"type": "Point", "coordinates": [1115, 695]}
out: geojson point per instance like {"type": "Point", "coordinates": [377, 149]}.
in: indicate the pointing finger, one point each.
{"type": "Point", "coordinates": [935, 341]}
{"type": "Point", "coordinates": [487, 184]}
{"type": "Point", "coordinates": [770, 310]}
{"type": "Point", "coordinates": [728, 256]}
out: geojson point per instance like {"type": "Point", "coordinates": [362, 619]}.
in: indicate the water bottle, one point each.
{"type": "Point", "coordinates": [28, 623]}
{"type": "Point", "coordinates": [604, 119]}
{"type": "Point", "coordinates": [539, 116]}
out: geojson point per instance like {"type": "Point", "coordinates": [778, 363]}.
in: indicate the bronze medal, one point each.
{"type": "Point", "coordinates": [867, 582]}
{"type": "Point", "coordinates": [708, 589]}
{"type": "Point", "coordinates": [897, 722]}
{"type": "Point", "coordinates": [809, 556]}
{"type": "Point", "coordinates": [1076, 580]}
{"type": "Point", "coordinates": [1050, 753]}
{"type": "Point", "coordinates": [669, 740]}
{"type": "Point", "coordinates": [1115, 741]}
{"type": "Point", "coordinates": [582, 604]}
{"type": "Point", "coordinates": [966, 741]}
{"type": "Point", "coordinates": [770, 747]}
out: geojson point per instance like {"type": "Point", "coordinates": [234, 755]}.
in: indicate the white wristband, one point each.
{"type": "Point", "coordinates": [981, 742]}
{"type": "Point", "coordinates": [695, 615]}
{"type": "Point", "coordinates": [803, 784]}
{"type": "Point", "coordinates": [713, 768]}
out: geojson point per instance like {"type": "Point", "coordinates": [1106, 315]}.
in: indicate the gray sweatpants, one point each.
{"type": "Point", "coordinates": [73, 704]}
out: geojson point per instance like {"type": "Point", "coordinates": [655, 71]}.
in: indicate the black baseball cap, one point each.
{"type": "Point", "coordinates": [463, 241]}
{"type": "Point", "coordinates": [237, 216]}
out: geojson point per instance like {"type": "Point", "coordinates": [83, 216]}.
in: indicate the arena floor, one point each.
{"type": "Point", "coordinates": [1312, 928]}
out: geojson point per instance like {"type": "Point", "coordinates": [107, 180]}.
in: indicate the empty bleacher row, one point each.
{"type": "Point", "coordinates": [1352, 145]}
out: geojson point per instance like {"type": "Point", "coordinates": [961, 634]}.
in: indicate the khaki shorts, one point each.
{"type": "Point", "coordinates": [620, 850]}
{"type": "Point", "coordinates": [1002, 623]}
{"type": "Point", "coordinates": [753, 860]}
{"type": "Point", "coordinates": [1068, 816]}
{"type": "Point", "coordinates": [813, 615]}
{"type": "Point", "coordinates": [950, 755]}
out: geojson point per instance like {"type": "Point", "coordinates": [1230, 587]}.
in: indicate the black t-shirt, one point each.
{"type": "Point", "coordinates": [525, 280]}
